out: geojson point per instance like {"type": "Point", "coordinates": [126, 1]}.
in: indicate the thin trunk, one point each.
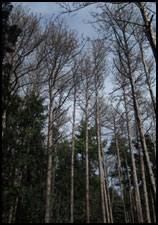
{"type": "Point", "coordinates": [99, 152]}
{"type": "Point", "coordinates": [120, 175]}
{"type": "Point", "coordinates": [112, 194]}
{"type": "Point", "coordinates": [54, 170]}
{"type": "Point", "coordinates": [87, 159]}
{"type": "Point", "coordinates": [142, 137]}
{"type": "Point", "coordinates": [50, 146]}
{"type": "Point", "coordinates": [135, 180]}
{"type": "Point", "coordinates": [145, 193]}
{"type": "Point", "coordinates": [106, 203]}
{"type": "Point", "coordinates": [53, 176]}
{"type": "Point", "coordinates": [153, 209]}
{"type": "Point", "coordinates": [72, 159]}
{"type": "Point", "coordinates": [130, 192]}
{"type": "Point", "coordinates": [148, 26]}
{"type": "Point", "coordinates": [138, 119]}
{"type": "Point", "coordinates": [3, 123]}
{"type": "Point", "coordinates": [13, 208]}
{"type": "Point", "coordinates": [148, 79]}
{"type": "Point", "coordinates": [101, 181]}
{"type": "Point", "coordinates": [106, 192]}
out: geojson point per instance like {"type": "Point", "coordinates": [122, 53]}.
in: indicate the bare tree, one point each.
{"type": "Point", "coordinates": [147, 65]}
{"type": "Point", "coordinates": [123, 82]}
{"type": "Point", "coordinates": [28, 42]}
{"type": "Point", "coordinates": [145, 12]}
{"type": "Point", "coordinates": [137, 194]}
{"type": "Point", "coordinates": [61, 45]}
{"type": "Point", "coordinates": [75, 85]}
{"type": "Point", "coordinates": [86, 94]}
{"type": "Point", "coordinates": [124, 37]}
{"type": "Point", "coordinates": [145, 193]}
{"type": "Point", "coordinates": [72, 156]}
{"type": "Point", "coordinates": [98, 59]}
{"type": "Point", "coordinates": [148, 25]}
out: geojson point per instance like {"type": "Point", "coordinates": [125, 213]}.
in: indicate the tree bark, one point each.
{"type": "Point", "coordinates": [148, 79]}
{"type": "Point", "coordinates": [137, 194]}
{"type": "Point", "coordinates": [50, 148]}
{"type": "Point", "coordinates": [148, 27]}
{"type": "Point", "coordinates": [72, 158]}
{"type": "Point", "coordinates": [120, 175]}
{"type": "Point", "coordinates": [106, 191]}
{"type": "Point", "coordinates": [138, 119]}
{"type": "Point", "coordinates": [13, 208]}
{"type": "Point", "coordinates": [130, 192]}
{"type": "Point", "coordinates": [142, 137]}
{"type": "Point", "coordinates": [145, 193]}
{"type": "Point", "coordinates": [99, 151]}
{"type": "Point", "coordinates": [87, 158]}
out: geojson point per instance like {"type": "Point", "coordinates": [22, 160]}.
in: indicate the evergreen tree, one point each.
{"type": "Point", "coordinates": [9, 36]}
{"type": "Point", "coordinates": [24, 161]}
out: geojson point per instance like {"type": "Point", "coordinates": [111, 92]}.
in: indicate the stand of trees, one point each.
{"type": "Point", "coordinates": [70, 152]}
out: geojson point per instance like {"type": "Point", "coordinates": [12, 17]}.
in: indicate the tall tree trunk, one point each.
{"type": "Point", "coordinates": [146, 200]}
{"type": "Point", "coordinates": [13, 208]}
{"type": "Point", "coordinates": [99, 151]}
{"type": "Point", "coordinates": [50, 148]}
{"type": "Point", "coordinates": [137, 194]}
{"type": "Point", "coordinates": [87, 159]}
{"type": "Point", "coordinates": [148, 27]}
{"type": "Point", "coordinates": [3, 123]}
{"type": "Point", "coordinates": [120, 174]}
{"type": "Point", "coordinates": [142, 137]}
{"type": "Point", "coordinates": [72, 158]}
{"type": "Point", "coordinates": [130, 192]}
{"type": "Point", "coordinates": [53, 175]}
{"type": "Point", "coordinates": [106, 191]}
{"type": "Point", "coordinates": [153, 209]}
{"type": "Point", "coordinates": [138, 119]}
{"type": "Point", "coordinates": [148, 79]}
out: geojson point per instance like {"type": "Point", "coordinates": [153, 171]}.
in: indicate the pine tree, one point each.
{"type": "Point", "coordinates": [24, 161]}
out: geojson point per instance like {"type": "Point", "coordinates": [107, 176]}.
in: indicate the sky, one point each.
{"type": "Point", "coordinates": [75, 21]}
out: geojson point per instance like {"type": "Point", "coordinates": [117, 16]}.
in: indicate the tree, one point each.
{"type": "Point", "coordinates": [86, 90]}
{"type": "Point", "coordinates": [144, 10]}
{"type": "Point", "coordinates": [23, 153]}
{"type": "Point", "coordinates": [61, 45]}
{"type": "Point", "coordinates": [89, 156]}
{"type": "Point", "coordinates": [10, 34]}
{"type": "Point", "coordinates": [127, 47]}
{"type": "Point", "coordinates": [98, 58]}
{"type": "Point", "coordinates": [123, 82]}
{"type": "Point", "coordinates": [80, 171]}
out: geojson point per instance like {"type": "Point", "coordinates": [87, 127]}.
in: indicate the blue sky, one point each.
{"type": "Point", "coordinates": [74, 21]}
